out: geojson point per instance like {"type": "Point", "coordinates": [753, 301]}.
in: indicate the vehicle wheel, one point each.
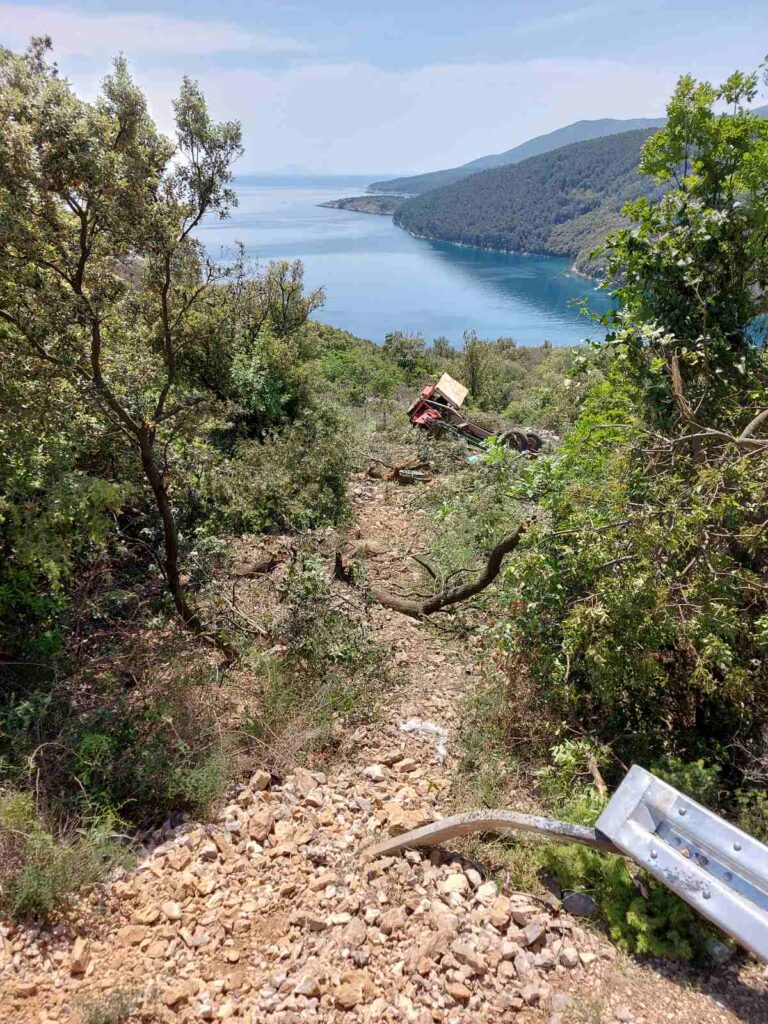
{"type": "Point", "coordinates": [535, 442]}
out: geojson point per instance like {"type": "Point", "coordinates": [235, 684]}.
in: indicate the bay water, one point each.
{"type": "Point", "coordinates": [378, 278]}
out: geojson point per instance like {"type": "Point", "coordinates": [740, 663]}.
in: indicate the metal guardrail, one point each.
{"type": "Point", "coordinates": [720, 870]}
{"type": "Point", "coordinates": [715, 867]}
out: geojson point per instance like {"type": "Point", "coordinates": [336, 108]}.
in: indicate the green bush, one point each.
{"type": "Point", "coordinates": [143, 750]}
{"type": "Point", "coordinates": [295, 479]}
{"type": "Point", "coordinates": [352, 370]}
{"type": "Point", "coordinates": [642, 915]}
{"type": "Point", "coordinates": [630, 627]}
{"type": "Point", "coordinates": [40, 870]}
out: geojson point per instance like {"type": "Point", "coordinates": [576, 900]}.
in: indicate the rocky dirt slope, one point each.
{"type": "Point", "coordinates": [271, 913]}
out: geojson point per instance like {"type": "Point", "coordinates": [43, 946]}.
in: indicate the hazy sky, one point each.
{"type": "Point", "coordinates": [330, 86]}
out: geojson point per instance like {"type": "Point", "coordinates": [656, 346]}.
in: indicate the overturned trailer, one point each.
{"type": "Point", "coordinates": [438, 409]}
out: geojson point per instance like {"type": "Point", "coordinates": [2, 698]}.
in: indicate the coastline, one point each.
{"type": "Point", "coordinates": [573, 269]}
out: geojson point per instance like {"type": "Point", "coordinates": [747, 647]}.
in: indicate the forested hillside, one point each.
{"type": "Point", "coordinates": [560, 203]}
{"type": "Point", "coordinates": [579, 132]}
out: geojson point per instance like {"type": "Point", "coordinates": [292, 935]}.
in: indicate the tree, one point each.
{"type": "Point", "coordinates": [100, 274]}
{"type": "Point", "coordinates": [441, 348]}
{"type": "Point", "coordinates": [473, 364]}
{"type": "Point", "coordinates": [691, 273]}
{"type": "Point", "coordinates": [404, 348]}
{"type": "Point", "coordinates": [250, 348]}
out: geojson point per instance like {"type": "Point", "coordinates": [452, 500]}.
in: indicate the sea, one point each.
{"type": "Point", "coordinates": [377, 278]}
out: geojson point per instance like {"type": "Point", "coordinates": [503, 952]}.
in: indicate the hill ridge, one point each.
{"type": "Point", "coordinates": [582, 130]}
{"type": "Point", "coordinates": [579, 131]}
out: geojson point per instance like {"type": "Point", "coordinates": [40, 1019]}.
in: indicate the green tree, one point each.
{"type": "Point", "coordinates": [101, 277]}
{"type": "Point", "coordinates": [690, 273]}
{"type": "Point", "coordinates": [250, 347]}
{"type": "Point", "coordinates": [441, 349]}
{"type": "Point", "coordinates": [473, 364]}
{"type": "Point", "coordinates": [404, 348]}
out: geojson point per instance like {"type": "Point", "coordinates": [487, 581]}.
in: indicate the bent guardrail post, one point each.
{"type": "Point", "coordinates": [491, 821]}
{"type": "Point", "coordinates": [715, 867]}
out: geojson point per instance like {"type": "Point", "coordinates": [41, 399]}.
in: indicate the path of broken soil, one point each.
{"type": "Point", "coordinates": [270, 914]}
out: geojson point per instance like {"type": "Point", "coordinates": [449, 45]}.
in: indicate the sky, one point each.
{"type": "Point", "coordinates": [341, 86]}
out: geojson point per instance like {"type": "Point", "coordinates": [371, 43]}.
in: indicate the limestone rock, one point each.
{"type": "Point", "coordinates": [465, 954]}
{"type": "Point", "coordinates": [260, 781]}
{"type": "Point", "coordinates": [459, 992]}
{"type": "Point", "coordinates": [356, 987]}
{"type": "Point", "coordinates": [80, 957]}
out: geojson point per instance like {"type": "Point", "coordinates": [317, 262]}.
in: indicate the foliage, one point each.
{"type": "Point", "coordinates": [405, 349]}
{"type": "Point", "coordinates": [690, 273]}
{"type": "Point", "coordinates": [114, 1008]}
{"type": "Point", "coordinates": [40, 871]}
{"type": "Point", "coordinates": [557, 203]}
{"type": "Point", "coordinates": [100, 274]}
{"type": "Point", "coordinates": [332, 668]}
{"type": "Point", "coordinates": [628, 627]}
{"type": "Point", "coordinates": [56, 502]}
{"type": "Point", "coordinates": [97, 745]}
{"type": "Point", "coordinates": [295, 479]}
{"type": "Point", "coordinates": [353, 371]}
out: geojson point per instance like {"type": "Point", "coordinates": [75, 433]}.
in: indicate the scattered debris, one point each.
{"type": "Point", "coordinates": [429, 729]}
{"type": "Point", "coordinates": [410, 472]}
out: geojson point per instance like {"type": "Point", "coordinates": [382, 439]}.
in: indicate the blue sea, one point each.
{"type": "Point", "coordinates": [377, 278]}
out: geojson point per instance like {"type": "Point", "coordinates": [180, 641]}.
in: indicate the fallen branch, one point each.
{"type": "Point", "coordinates": [448, 596]}
{"type": "Point", "coordinates": [598, 779]}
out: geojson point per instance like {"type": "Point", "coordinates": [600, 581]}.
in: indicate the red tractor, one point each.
{"type": "Point", "coordinates": [438, 409]}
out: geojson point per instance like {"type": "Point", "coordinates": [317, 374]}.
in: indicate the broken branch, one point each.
{"type": "Point", "coordinates": [448, 596]}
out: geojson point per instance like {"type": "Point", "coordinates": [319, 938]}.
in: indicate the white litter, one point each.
{"type": "Point", "coordinates": [429, 729]}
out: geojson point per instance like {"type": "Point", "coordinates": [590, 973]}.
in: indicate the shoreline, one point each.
{"type": "Point", "coordinates": [573, 269]}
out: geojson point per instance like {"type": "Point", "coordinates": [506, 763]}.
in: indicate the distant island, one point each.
{"type": "Point", "coordinates": [385, 206]}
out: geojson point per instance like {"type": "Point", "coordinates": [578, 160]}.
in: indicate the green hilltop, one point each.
{"type": "Point", "coordinates": [560, 203]}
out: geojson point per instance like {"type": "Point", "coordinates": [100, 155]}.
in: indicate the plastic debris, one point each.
{"type": "Point", "coordinates": [429, 729]}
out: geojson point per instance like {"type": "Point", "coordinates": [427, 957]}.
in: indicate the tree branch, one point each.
{"type": "Point", "coordinates": [450, 595]}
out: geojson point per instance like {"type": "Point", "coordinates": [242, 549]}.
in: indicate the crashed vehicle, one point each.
{"type": "Point", "coordinates": [438, 409]}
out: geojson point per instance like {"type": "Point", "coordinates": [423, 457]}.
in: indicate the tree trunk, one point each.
{"type": "Point", "coordinates": [157, 482]}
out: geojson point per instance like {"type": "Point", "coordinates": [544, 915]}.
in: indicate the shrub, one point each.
{"type": "Point", "coordinates": [354, 370]}
{"type": "Point", "coordinates": [144, 749]}
{"type": "Point", "coordinates": [630, 627]}
{"type": "Point", "coordinates": [39, 869]}
{"type": "Point", "coordinates": [114, 1008]}
{"type": "Point", "coordinates": [642, 915]}
{"type": "Point", "coordinates": [296, 479]}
